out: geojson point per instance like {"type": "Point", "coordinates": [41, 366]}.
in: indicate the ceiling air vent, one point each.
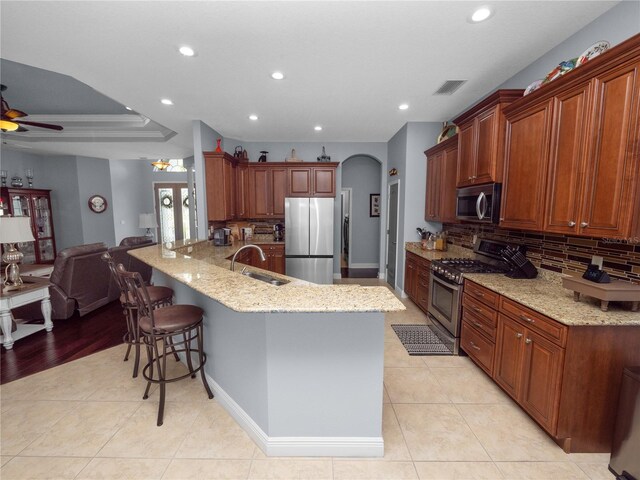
{"type": "Point", "coordinates": [450, 86]}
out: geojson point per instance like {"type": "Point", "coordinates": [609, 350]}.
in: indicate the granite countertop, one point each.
{"type": "Point", "coordinates": [545, 294]}
{"type": "Point", "coordinates": [205, 268]}
{"type": "Point", "coordinates": [453, 251]}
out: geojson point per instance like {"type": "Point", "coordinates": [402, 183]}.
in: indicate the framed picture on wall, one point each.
{"type": "Point", "coordinates": [374, 205]}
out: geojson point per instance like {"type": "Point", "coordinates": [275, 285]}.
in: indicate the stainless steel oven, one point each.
{"type": "Point", "coordinates": [445, 301]}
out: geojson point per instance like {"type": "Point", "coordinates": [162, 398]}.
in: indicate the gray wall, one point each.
{"type": "Point", "coordinates": [94, 178]}
{"type": "Point", "coordinates": [406, 154]}
{"type": "Point", "coordinates": [363, 175]}
{"type": "Point", "coordinates": [204, 140]}
{"type": "Point", "coordinates": [615, 25]}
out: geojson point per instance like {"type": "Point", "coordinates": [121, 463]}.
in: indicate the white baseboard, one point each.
{"type": "Point", "coordinates": [337, 276]}
{"type": "Point", "coordinates": [382, 275]}
{"type": "Point", "coordinates": [298, 446]}
{"type": "Point", "coordinates": [364, 265]}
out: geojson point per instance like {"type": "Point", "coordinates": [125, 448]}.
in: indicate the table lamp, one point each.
{"type": "Point", "coordinates": [148, 221]}
{"type": "Point", "coordinates": [14, 230]}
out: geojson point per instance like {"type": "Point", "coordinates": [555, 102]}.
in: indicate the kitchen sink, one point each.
{"type": "Point", "coordinates": [266, 278]}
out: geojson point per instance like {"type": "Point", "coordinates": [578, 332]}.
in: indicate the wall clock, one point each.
{"type": "Point", "coordinates": [97, 203]}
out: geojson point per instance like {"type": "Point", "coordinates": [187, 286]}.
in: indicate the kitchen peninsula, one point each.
{"type": "Point", "coordinates": [299, 366]}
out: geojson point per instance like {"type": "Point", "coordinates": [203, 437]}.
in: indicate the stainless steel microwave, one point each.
{"type": "Point", "coordinates": [480, 203]}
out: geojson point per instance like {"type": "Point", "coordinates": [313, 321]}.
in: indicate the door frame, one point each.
{"type": "Point", "coordinates": [386, 255]}
{"type": "Point", "coordinates": [156, 204]}
{"type": "Point", "coordinates": [350, 190]}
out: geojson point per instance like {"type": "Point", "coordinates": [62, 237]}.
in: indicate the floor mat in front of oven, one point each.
{"type": "Point", "coordinates": [421, 340]}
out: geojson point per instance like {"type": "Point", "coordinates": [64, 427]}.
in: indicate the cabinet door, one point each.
{"type": "Point", "coordinates": [448, 186]}
{"type": "Point", "coordinates": [422, 290]}
{"type": "Point", "coordinates": [566, 160]}
{"type": "Point", "coordinates": [410, 277]}
{"type": "Point", "coordinates": [608, 201]}
{"type": "Point", "coordinates": [278, 191]}
{"type": "Point", "coordinates": [467, 143]}
{"type": "Point", "coordinates": [541, 378]}
{"type": "Point", "coordinates": [487, 147]}
{"type": "Point", "coordinates": [260, 203]}
{"type": "Point", "coordinates": [299, 182]}
{"type": "Point", "coordinates": [242, 191]}
{"type": "Point", "coordinates": [217, 209]}
{"type": "Point", "coordinates": [277, 255]}
{"type": "Point", "coordinates": [509, 350]}
{"type": "Point", "coordinates": [229, 190]}
{"type": "Point", "coordinates": [324, 182]}
{"type": "Point", "coordinates": [434, 180]}
{"type": "Point", "coordinates": [525, 169]}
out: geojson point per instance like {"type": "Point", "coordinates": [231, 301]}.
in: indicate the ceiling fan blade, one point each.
{"type": "Point", "coordinates": [37, 124]}
{"type": "Point", "coordinates": [11, 114]}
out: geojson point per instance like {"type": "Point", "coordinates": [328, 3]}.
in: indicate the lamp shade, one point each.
{"type": "Point", "coordinates": [15, 229]}
{"type": "Point", "coordinates": [148, 220]}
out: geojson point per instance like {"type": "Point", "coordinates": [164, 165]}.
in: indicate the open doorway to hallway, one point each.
{"type": "Point", "coordinates": [360, 217]}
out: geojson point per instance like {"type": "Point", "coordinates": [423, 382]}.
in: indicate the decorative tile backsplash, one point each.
{"type": "Point", "coordinates": [559, 253]}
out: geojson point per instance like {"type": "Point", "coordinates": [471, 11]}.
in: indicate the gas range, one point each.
{"type": "Point", "coordinates": [453, 269]}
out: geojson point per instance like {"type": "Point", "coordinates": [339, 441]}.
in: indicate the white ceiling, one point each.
{"type": "Point", "coordinates": [348, 65]}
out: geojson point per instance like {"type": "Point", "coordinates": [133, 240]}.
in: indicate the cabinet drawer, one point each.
{"type": "Point", "coordinates": [424, 264]}
{"type": "Point", "coordinates": [482, 325]}
{"type": "Point", "coordinates": [535, 321]}
{"type": "Point", "coordinates": [485, 295]}
{"type": "Point", "coordinates": [479, 349]}
{"type": "Point", "coordinates": [480, 309]}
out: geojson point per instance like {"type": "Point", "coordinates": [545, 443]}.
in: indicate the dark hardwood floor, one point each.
{"type": "Point", "coordinates": [70, 339]}
{"type": "Point", "coordinates": [359, 272]}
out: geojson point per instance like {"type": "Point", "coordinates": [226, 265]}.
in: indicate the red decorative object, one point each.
{"type": "Point", "coordinates": [219, 148]}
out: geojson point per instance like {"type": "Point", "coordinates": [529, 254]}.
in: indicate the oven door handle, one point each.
{"type": "Point", "coordinates": [452, 286]}
{"type": "Point", "coordinates": [480, 213]}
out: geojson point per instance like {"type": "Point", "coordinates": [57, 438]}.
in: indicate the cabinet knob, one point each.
{"type": "Point", "coordinates": [583, 224]}
{"type": "Point", "coordinates": [518, 335]}
{"type": "Point", "coordinates": [571, 224]}
{"type": "Point", "coordinates": [527, 341]}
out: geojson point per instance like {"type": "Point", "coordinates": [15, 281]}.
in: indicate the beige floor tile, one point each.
{"type": "Point", "coordinates": [468, 385]}
{"type": "Point", "coordinates": [26, 421]}
{"type": "Point", "coordinates": [4, 459]}
{"type": "Point", "coordinates": [458, 471]}
{"type": "Point", "coordinates": [42, 468]}
{"type": "Point", "coordinates": [437, 432]}
{"type": "Point", "coordinates": [216, 435]}
{"type": "Point", "coordinates": [385, 395]}
{"type": "Point", "coordinates": [140, 437]}
{"type": "Point", "coordinates": [83, 431]}
{"type": "Point", "coordinates": [395, 448]}
{"type": "Point", "coordinates": [291, 469]}
{"type": "Point", "coordinates": [395, 355]}
{"type": "Point", "coordinates": [589, 457]}
{"type": "Point", "coordinates": [596, 471]}
{"type": "Point", "coordinates": [508, 434]}
{"type": "Point", "coordinates": [366, 470]}
{"type": "Point", "coordinates": [203, 469]}
{"type": "Point", "coordinates": [124, 469]}
{"type": "Point", "coordinates": [541, 471]}
{"type": "Point", "coordinates": [122, 388]}
{"type": "Point", "coordinates": [447, 361]}
{"type": "Point", "coordinates": [413, 385]}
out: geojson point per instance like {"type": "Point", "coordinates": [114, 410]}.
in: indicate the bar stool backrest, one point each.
{"type": "Point", "coordinates": [106, 256]}
{"type": "Point", "coordinates": [136, 290]}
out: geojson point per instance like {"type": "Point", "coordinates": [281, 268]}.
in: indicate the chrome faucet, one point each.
{"type": "Point", "coordinates": [233, 260]}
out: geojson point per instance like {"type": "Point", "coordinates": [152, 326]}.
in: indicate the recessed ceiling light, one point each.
{"type": "Point", "coordinates": [277, 75]}
{"type": "Point", "coordinates": [129, 108]}
{"type": "Point", "coordinates": [253, 117]}
{"type": "Point", "coordinates": [317, 128]}
{"type": "Point", "coordinates": [187, 51]}
{"type": "Point", "coordinates": [481, 14]}
{"type": "Point", "coordinates": [166, 101]}
{"type": "Point", "coordinates": [403, 106]}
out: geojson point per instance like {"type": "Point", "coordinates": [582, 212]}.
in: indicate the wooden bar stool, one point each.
{"type": "Point", "coordinates": [159, 297]}
{"type": "Point", "coordinates": [173, 328]}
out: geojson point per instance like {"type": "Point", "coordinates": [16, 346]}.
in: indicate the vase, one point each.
{"type": "Point", "coordinates": [218, 147]}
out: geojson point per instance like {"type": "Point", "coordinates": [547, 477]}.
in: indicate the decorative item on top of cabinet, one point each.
{"type": "Point", "coordinates": [440, 201]}
{"type": "Point", "coordinates": [588, 138]}
{"type": "Point", "coordinates": [34, 203]}
{"type": "Point", "coordinates": [481, 139]}
{"type": "Point", "coordinates": [324, 157]}
{"type": "Point", "coordinates": [221, 186]}
{"type": "Point", "coordinates": [263, 156]}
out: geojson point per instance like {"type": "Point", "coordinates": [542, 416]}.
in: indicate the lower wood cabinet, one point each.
{"type": "Point", "coordinates": [275, 259]}
{"type": "Point", "coordinates": [566, 377]}
{"type": "Point", "coordinates": [416, 280]}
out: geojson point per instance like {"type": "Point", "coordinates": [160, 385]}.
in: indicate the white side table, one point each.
{"type": "Point", "coordinates": [34, 289]}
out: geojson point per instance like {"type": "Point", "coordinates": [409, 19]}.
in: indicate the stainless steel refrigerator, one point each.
{"type": "Point", "coordinates": [308, 224]}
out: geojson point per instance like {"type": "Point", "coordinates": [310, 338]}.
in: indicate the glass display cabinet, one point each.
{"type": "Point", "coordinates": [36, 204]}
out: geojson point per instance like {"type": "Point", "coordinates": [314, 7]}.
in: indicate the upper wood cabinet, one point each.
{"type": "Point", "coordinates": [268, 188]}
{"type": "Point", "coordinates": [312, 180]}
{"type": "Point", "coordinates": [221, 185]}
{"type": "Point", "coordinates": [572, 159]}
{"type": "Point", "coordinates": [242, 190]}
{"type": "Point", "coordinates": [440, 201]}
{"type": "Point", "coordinates": [481, 139]}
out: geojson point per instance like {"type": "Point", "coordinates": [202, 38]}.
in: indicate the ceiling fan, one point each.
{"type": "Point", "coordinates": [9, 120]}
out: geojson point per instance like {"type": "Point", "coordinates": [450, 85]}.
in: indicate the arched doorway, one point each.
{"type": "Point", "coordinates": [360, 217]}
